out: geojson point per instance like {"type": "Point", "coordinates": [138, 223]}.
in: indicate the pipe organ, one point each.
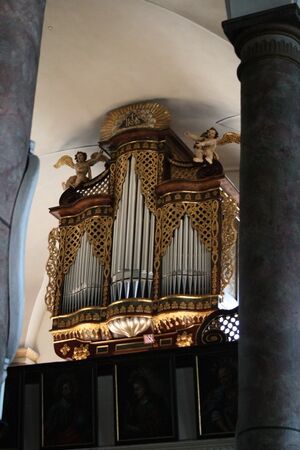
{"type": "Point", "coordinates": [145, 252]}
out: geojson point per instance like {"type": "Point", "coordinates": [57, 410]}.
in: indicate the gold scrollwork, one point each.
{"type": "Point", "coordinates": [119, 175]}
{"type": "Point", "coordinates": [214, 246]}
{"type": "Point", "coordinates": [229, 237]}
{"type": "Point", "coordinates": [54, 269]}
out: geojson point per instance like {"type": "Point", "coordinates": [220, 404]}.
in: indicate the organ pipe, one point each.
{"type": "Point", "coordinates": [83, 282]}
{"type": "Point", "coordinates": [186, 266]}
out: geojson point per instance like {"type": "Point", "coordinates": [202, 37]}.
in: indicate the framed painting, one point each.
{"type": "Point", "coordinates": [217, 385]}
{"type": "Point", "coordinates": [145, 400]}
{"type": "Point", "coordinates": [68, 407]}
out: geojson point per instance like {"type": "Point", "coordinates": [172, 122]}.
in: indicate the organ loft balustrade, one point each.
{"type": "Point", "coordinates": [145, 254]}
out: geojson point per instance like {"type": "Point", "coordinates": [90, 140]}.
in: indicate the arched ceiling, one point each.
{"type": "Point", "coordinates": [97, 55]}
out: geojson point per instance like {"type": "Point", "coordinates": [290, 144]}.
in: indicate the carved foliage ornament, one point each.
{"type": "Point", "coordinates": [81, 352]}
{"type": "Point", "coordinates": [54, 268]}
{"type": "Point", "coordinates": [229, 237]}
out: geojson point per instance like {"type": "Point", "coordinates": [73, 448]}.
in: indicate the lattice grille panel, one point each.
{"type": "Point", "coordinates": [102, 187]}
{"type": "Point", "coordinates": [230, 326]}
{"type": "Point", "coordinates": [147, 169]}
{"type": "Point", "coordinates": [71, 244]}
{"type": "Point", "coordinates": [202, 217]}
{"type": "Point", "coordinates": [223, 327]}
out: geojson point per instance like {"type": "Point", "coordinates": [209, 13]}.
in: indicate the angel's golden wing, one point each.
{"type": "Point", "coordinates": [230, 137]}
{"type": "Point", "coordinates": [99, 156]}
{"type": "Point", "coordinates": [64, 160]}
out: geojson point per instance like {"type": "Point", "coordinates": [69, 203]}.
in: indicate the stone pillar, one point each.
{"type": "Point", "coordinates": [268, 44]}
{"type": "Point", "coordinates": [20, 34]}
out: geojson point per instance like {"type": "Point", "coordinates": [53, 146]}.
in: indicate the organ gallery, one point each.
{"type": "Point", "coordinates": [145, 254]}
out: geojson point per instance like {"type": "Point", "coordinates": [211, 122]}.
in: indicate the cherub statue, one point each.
{"type": "Point", "coordinates": [82, 167]}
{"type": "Point", "coordinates": [205, 145]}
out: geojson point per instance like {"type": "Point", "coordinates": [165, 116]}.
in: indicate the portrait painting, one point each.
{"type": "Point", "coordinates": [218, 392]}
{"type": "Point", "coordinates": [10, 432]}
{"type": "Point", "coordinates": [68, 408]}
{"type": "Point", "coordinates": [145, 401]}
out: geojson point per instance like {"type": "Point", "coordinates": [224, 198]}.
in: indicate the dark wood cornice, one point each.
{"type": "Point", "coordinates": [170, 186]}
{"type": "Point", "coordinates": [81, 205]}
{"type": "Point", "coordinates": [176, 146]}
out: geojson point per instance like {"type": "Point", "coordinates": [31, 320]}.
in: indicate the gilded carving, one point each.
{"type": "Point", "coordinates": [82, 167]}
{"type": "Point", "coordinates": [187, 173]}
{"type": "Point", "coordinates": [119, 175]}
{"type": "Point", "coordinates": [205, 145]}
{"type": "Point", "coordinates": [175, 320]}
{"type": "Point", "coordinates": [229, 237]}
{"type": "Point", "coordinates": [147, 169]}
{"type": "Point", "coordinates": [138, 115]}
{"type": "Point", "coordinates": [184, 339]}
{"type": "Point", "coordinates": [65, 349]}
{"type": "Point", "coordinates": [81, 352]}
{"type": "Point", "coordinates": [71, 244]}
{"type": "Point", "coordinates": [214, 246]}
{"type": "Point", "coordinates": [64, 244]}
{"type": "Point", "coordinates": [54, 269]}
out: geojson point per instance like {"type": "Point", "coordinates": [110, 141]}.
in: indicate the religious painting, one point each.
{"type": "Point", "coordinates": [145, 400]}
{"type": "Point", "coordinates": [218, 391]}
{"type": "Point", "coordinates": [10, 433]}
{"type": "Point", "coordinates": [68, 407]}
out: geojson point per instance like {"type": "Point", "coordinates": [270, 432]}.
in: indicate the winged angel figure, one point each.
{"type": "Point", "coordinates": [205, 145]}
{"type": "Point", "coordinates": [82, 167]}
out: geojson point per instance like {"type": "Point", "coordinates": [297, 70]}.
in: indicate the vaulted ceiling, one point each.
{"type": "Point", "coordinates": [97, 55]}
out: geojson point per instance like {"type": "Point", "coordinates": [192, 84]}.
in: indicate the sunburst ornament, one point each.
{"type": "Point", "coordinates": [137, 115]}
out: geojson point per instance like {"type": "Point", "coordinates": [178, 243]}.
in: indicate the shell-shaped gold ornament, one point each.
{"type": "Point", "coordinates": [137, 115]}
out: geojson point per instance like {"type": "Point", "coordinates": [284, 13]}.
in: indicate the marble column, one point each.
{"type": "Point", "coordinates": [268, 44]}
{"type": "Point", "coordinates": [20, 35]}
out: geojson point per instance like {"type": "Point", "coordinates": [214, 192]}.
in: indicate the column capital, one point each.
{"type": "Point", "coordinates": [274, 32]}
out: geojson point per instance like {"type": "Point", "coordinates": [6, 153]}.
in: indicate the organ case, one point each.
{"type": "Point", "coordinates": [145, 252]}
